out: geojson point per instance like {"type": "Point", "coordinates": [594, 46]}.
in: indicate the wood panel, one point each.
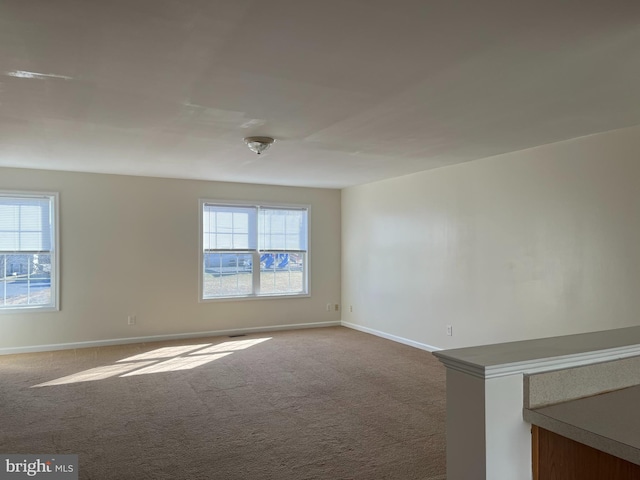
{"type": "Point", "coordinates": [560, 458]}
{"type": "Point", "coordinates": [535, 451]}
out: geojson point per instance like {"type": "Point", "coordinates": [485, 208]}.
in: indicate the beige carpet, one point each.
{"type": "Point", "coordinates": [328, 403]}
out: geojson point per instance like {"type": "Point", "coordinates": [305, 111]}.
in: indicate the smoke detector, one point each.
{"type": "Point", "coordinates": [258, 144]}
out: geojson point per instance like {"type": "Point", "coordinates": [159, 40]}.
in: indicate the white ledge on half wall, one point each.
{"type": "Point", "coordinates": [485, 397]}
{"type": "Point", "coordinates": [544, 354]}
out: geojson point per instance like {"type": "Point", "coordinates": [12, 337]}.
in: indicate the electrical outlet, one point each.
{"type": "Point", "coordinates": [336, 307]}
{"type": "Point", "coordinates": [131, 320]}
{"type": "Point", "coordinates": [328, 307]}
{"type": "Point", "coordinates": [449, 330]}
{"type": "Point", "coordinates": [351, 308]}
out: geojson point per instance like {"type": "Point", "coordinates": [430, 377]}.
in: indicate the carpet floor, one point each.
{"type": "Point", "coordinates": [327, 403]}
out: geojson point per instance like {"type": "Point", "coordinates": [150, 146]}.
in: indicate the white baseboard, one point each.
{"type": "Point", "coordinates": [158, 338]}
{"type": "Point", "coordinates": [395, 338]}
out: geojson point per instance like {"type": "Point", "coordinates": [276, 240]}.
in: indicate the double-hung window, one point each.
{"type": "Point", "coordinates": [253, 250]}
{"type": "Point", "coordinates": [28, 251]}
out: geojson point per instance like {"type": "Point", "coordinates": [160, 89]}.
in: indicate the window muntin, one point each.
{"type": "Point", "coordinates": [227, 274]}
{"type": "Point", "coordinates": [253, 251]}
{"type": "Point", "coordinates": [282, 273]}
{"type": "Point", "coordinates": [28, 258]}
{"type": "Point", "coordinates": [282, 229]}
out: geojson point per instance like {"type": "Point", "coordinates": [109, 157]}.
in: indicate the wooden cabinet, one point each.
{"type": "Point", "coordinates": [559, 458]}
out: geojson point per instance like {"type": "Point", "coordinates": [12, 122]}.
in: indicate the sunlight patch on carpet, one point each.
{"type": "Point", "coordinates": [175, 364]}
{"type": "Point", "coordinates": [99, 373]}
{"type": "Point", "coordinates": [164, 352]}
{"type": "Point", "coordinates": [232, 346]}
{"type": "Point", "coordinates": [185, 357]}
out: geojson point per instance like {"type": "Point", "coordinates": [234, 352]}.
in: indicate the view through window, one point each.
{"type": "Point", "coordinates": [27, 251]}
{"type": "Point", "coordinates": [251, 251]}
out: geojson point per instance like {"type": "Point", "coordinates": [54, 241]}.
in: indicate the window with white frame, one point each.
{"type": "Point", "coordinates": [28, 251]}
{"type": "Point", "coordinates": [253, 250]}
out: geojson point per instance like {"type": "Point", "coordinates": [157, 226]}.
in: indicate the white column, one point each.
{"type": "Point", "coordinates": [508, 436]}
{"type": "Point", "coordinates": [465, 427]}
{"type": "Point", "coordinates": [487, 439]}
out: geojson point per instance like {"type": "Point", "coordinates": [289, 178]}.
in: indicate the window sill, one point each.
{"type": "Point", "coordinates": [28, 309]}
{"type": "Point", "coordinates": [254, 297]}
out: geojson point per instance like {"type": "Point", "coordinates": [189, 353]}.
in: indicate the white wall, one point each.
{"type": "Point", "coordinates": [536, 243]}
{"type": "Point", "coordinates": [129, 245]}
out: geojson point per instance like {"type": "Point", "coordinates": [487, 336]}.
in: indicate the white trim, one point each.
{"type": "Point", "coordinates": [256, 272]}
{"type": "Point", "coordinates": [158, 338]}
{"type": "Point", "coordinates": [242, 298]}
{"type": "Point", "coordinates": [540, 364]}
{"type": "Point", "coordinates": [55, 292]}
{"type": "Point", "coordinates": [388, 336]}
{"type": "Point", "coordinates": [54, 205]}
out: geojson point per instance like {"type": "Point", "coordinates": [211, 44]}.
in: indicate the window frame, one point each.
{"type": "Point", "coordinates": [54, 202]}
{"type": "Point", "coordinates": [255, 254]}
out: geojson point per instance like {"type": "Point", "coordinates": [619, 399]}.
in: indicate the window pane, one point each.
{"type": "Point", "coordinates": [281, 229]}
{"type": "Point", "coordinates": [25, 279]}
{"type": "Point", "coordinates": [227, 274]}
{"type": "Point", "coordinates": [25, 223]}
{"type": "Point", "coordinates": [9, 219]}
{"type": "Point", "coordinates": [225, 240]}
{"type": "Point", "coordinates": [282, 273]}
{"type": "Point", "coordinates": [232, 236]}
{"type": "Point", "coordinates": [228, 228]}
{"type": "Point", "coordinates": [8, 240]}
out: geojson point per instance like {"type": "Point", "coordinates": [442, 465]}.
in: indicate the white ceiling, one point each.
{"type": "Point", "coordinates": [353, 90]}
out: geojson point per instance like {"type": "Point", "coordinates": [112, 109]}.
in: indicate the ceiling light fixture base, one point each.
{"type": "Point", "coordinates": [258, 144]}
